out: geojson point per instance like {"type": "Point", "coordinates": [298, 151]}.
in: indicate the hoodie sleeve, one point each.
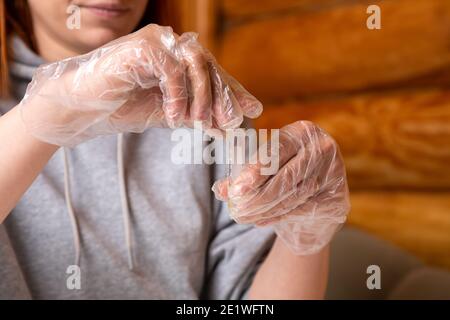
{"type": "Point", "coordinates": [12, 284]}
{"type": "Point", "coordinates": [235, 253]}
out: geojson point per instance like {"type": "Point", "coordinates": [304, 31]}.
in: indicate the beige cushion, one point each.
{"type": "Point", "coordinates": [352, 251]}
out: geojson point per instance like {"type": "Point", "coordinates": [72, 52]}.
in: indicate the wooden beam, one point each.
{"type": "Point", "coordinates": [199, 16]}
{"type": "Point", "coordinates": [332, 51]}
{"type": "Point", "coordinates": [250, 9]}
{"type": "Point", "coordinates": [397, 139]}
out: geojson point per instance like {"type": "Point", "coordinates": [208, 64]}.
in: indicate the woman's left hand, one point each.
{"type": "Point", "coordinates": [307, 200]}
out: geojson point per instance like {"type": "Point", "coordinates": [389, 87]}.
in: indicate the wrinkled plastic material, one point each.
{"type": "Point", "coordinates": [306, 201]}
{"type": "Point", "coordinates": [151, 78]}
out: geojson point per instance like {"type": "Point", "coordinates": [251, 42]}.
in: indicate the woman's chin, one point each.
{"type": "Point", "coordinates": [92, 39]}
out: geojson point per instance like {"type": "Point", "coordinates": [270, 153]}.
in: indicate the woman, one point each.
{"type": "Point", "coordinates": [137, 225]}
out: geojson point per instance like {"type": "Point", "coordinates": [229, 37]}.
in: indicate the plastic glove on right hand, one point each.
{"type": "Point", "coordinates": [151, 78]}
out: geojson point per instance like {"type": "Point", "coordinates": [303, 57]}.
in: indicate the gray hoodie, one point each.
{"type": "Point", "coordinates": [137, 225]}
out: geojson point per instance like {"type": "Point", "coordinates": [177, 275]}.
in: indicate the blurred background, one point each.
{"type": "Point", "coordinates": [383, 94]}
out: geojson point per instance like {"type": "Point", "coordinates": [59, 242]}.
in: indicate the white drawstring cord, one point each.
{"type": "Point", "coordinates": [124, 200]}
{"type": "Point", "coordinates": [73, 218]}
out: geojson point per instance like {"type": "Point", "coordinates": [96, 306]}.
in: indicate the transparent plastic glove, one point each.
{"type": "Point", "coordinates": [306, 201]}
{"type": "Point", "coordinates": [151, 78]}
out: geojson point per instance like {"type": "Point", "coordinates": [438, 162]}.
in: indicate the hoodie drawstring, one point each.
{"type": "Point", "coordinates": [73, 218]}
{"type": "Point", "coordinates": [123, 200]}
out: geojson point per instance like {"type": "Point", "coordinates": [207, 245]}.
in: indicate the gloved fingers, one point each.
{"type": "Point", "coordinates": [307, 162]}
{"type": "Point", "coordinates": [175, 97]}
{"type": "Point", "coordinates": [227, 114]}
{"type": "Point", "coordinates": [330, 205]}
{"type": "Point", "coordinates": [293, 138]}
{"type": "Point", "coordinates": [220, 188]}
{"type": "Point", "coordinates": [145, 59]}
{"type": "Point", "coordinates": [199, 82]}
{"type": "Point", "coordinates": [251, 107]}
{"type": "Point", "coordinates": [172, 77]}
{"type": "Point", "coordinates": [313, 170]}
{"type": "Point", "coordinates": [262, 211]}
{"type": "Point", "coordinates": [250, 178]}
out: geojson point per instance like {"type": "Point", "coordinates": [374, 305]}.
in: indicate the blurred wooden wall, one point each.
{"type": "Point", "coordinates": [383, 94]}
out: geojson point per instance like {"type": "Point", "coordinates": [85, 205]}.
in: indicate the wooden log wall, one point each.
{"type": "Point", "coordinates": [396, 139]}
{"type": "Point", "coordinates": [383, 94]}
{"type": "Point", "coordinates": [327, 51]}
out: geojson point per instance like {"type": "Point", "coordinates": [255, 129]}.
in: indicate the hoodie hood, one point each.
{"type": "Point", "coordinates": [23, 64]}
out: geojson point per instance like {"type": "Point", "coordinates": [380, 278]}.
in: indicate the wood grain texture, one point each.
{"type": "Point", "coordinates": [418, 222]}
{"type": "Point", "coordinates": [247, 9]}
{"type": "Point", "coordinates": [330, 51]}
{"type": "Point", "coordinates": [398, 139]}
{"type": "Point", "coordinates": [198, 16]}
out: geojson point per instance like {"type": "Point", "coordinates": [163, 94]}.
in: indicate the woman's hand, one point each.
{"type": "Point", "coordinates": [306, 200]}
{"type": "Point", "coordinates": [151, 78]}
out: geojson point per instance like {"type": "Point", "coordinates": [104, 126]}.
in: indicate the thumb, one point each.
{"type": "Point", "coordinates": [251, 107]}
{"type": "Point", "coordinates": [220, 189]}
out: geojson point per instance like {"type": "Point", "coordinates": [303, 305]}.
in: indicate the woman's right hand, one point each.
{"type": "Point", "coordinates": [151, 78]}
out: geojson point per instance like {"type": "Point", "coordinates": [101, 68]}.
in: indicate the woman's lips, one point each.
{"type": "Point", "coordinates": [106, 11]}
